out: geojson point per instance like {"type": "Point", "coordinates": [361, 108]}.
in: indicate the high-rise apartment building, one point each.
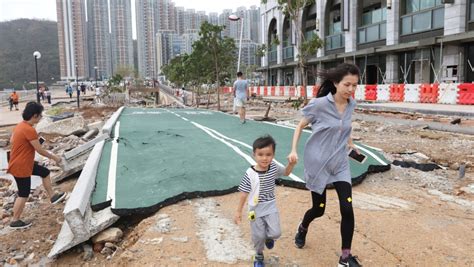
{"type": "Point", "coordinates": [146, 45]}
{"type": "Point", "coordinates": [72, 39]}
{"type": "Point", "coordinates": [180, 17]}
{"type": "Point", "coordinates": [100, 53]}
{"type": "Point", "coordinates": [121, 34]}
{"type": "Point", "coordinates": [224, 21]}
{"type": "Point", "coordinates": [214, 18]}
{"type": "Point", "coordinates": [253, 17]}
{"type": "Point", "coordinates": [164, 48]}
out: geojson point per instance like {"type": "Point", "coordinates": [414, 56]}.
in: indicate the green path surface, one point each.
{"type": "Point", "coordinates": [165, 155]}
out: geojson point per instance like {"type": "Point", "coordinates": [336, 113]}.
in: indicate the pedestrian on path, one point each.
{"type": "Point", "coordinates": [25, 142]}
{"type": "Point", "coordinates": [240, 95]}
{"type": "Point", "coordinates": [326, 152]}
{"type": "Point", "coordinates": [97, 95]}
{"type": "Point", "coordinates": [258, 189]}
{"type": "Point", "coordinates": [14, 99]}
{"type": "Point", "coordinates": [47, 92]}
{"type": "Point", "coordinates": [69, 90]}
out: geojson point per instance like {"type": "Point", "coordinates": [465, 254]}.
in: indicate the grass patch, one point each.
{"type": "Point", "coordinates": [55, 111]}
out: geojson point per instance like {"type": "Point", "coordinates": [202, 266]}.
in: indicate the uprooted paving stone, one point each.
{"type": "Point", "coordinates": [221, 238]}
{"type": "Point", "coordinates": [112, 234]}
{"type": "Point", "coordinates": [75, 125]}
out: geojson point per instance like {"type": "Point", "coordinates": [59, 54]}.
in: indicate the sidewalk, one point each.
{"type": "Point", "coordinates": [13, 117]}
{"type": "Point", "coordinates": [424, 108]}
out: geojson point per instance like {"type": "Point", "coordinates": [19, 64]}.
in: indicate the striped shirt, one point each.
{"type": "Point", "coordinates": [267, 182]}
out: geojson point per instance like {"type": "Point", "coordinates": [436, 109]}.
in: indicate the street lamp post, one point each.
{"type": "Point", "coordinates": [236, 18]}
{"type": "Point", "coordinates": [77, 89]}
{"type": "Point", "coordinates": [95, 68]}
{"type": "Point", "coordinates": [37, 56]}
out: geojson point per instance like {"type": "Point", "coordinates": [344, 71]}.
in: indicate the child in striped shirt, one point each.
{"type": "Point", "coordinates": [258, 189]}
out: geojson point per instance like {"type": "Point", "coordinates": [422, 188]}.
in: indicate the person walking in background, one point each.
{"type": "Point", "coordinates": [48, 95]}
{"type": "Point", "coordinates": [98, 92]}
{"type": "Point", "coordinates": [326, 152]}
{"type": "Point", "coordinates": [41, 92]}
{"type": "Point", "coordinates": [240, 95]}
{"type": "Point", "coordinates": [25, 142]}
{"type": "Point", "coordinates": [14, 100]}
{"type": "Point", "coordinates": [69, 90]}
{"type": "Point", "coordinates": [83, 88]}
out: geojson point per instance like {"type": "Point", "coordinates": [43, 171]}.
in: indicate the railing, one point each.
{"type": "Point", "coordinates": [335, 41]}
{"type": "Point", "coordinates": [272, 56]}
{"type": "Point", "coordinates": [423, 20]}
{"type": "Point", "coordinates": [372, 32]}
{"type": "Point", "coordinates": [288, 52]}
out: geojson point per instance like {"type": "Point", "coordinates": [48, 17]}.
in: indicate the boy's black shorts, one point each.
{"type": "Point", "coordinates": [24, 183]}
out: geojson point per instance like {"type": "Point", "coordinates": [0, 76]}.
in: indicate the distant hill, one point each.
{"type": "Point", "coordinates": [18, 40]}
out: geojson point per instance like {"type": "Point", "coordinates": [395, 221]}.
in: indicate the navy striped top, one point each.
{"type": "Point", "coordinates": [267, 182]}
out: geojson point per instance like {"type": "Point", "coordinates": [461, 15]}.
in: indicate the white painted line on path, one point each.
{"type": "Point", "coordinates": [113, 166]}
{"type": "Point", "coordinates": [222, 138]}
{"type": "Point", "coordinates": [292, 176]}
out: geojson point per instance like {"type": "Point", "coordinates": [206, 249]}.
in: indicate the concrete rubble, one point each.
{"type": "Point", "coordinates": [71, 126]}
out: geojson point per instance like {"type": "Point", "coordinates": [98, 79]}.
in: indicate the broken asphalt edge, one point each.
{"type": "Point", "coordinates": [80, 222]}
{"type": "Point", "coordinates": [375, 107]}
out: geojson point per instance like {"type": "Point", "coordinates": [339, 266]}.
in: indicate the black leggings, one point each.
{"type": "Point", "coordinates": [344, 192]}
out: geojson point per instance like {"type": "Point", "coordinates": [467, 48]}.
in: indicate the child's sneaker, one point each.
{"type": "Point", "coordinates": [258, 260]}
{"type": "Point", "coordinates": [300, 237]}
{"type": "Point", "coordinates": [351, 261]}
{"type": "Point", "coordinates": [269, 243]}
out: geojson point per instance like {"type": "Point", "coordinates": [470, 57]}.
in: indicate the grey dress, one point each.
{"type": "Point", "coordinates": [325, 153]}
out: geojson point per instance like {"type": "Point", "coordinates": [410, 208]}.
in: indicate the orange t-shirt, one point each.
{"type": "Point", "coordinates": [14, 97]}
{"type": "Point", "coordinates": [22, 154]}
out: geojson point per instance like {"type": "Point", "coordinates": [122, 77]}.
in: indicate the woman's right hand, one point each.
{"type": "Point", "coordinates": [292, 157]}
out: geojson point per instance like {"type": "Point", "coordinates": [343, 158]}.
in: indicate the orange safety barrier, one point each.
{"type": "Point", "coordinates": [302, 91]}
{"type": "Point", "coordinates": [315, 90]}
{"type": "Point", "coordinates": [265, 91]}
{"type": "Point", "coordinates": [466, 94]}
{"type": "Point", "coordinates": [282, 90]}
{"type": "Point", "coordinates": [292, 91]}
{"type": "Point", "coordinates": [397, 92]}
{"type": "Point", "coordinates": [272, 91]}
{"type": "Point", "coordinates": [371, 92]}
{"type": "Point", "coordinates": [429, 93]}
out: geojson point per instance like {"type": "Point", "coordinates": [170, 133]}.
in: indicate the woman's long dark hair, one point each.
{"type": "Point", "coordinates": [335, 75]}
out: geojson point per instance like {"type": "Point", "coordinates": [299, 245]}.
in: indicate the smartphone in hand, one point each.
{"type": "Point", "coordinates": [41, 140]}
{"type": "Point", "coordinates": [357, 157]}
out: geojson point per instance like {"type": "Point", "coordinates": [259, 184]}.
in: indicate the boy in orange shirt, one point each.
{"type": "Point", "coordinates": [22, 165]}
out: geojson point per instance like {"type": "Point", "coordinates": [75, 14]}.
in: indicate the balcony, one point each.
{"type": "Point", "coordinates": [272, 56]}
{"type": "Point", "coordinates": [288, 52]}
{"type": "Point", "coordinates": [372, 33]}
{"type": "Point", "coordinates": [424, 20]}
{"type": "Point", "coordinates": [334, 41]}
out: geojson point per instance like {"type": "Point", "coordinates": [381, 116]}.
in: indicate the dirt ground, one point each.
{"type": "Point", "coordinates": [404, 217]}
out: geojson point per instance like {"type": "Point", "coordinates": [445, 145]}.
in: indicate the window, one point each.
{"type": "Point", "coordinates": [373, 27]}
{"type": "Point", "coordinates": [471, 11]}
{"type": "Point", "coordinates": [422, 15]}
{"type": "Point", "coordinates": [422, 22]}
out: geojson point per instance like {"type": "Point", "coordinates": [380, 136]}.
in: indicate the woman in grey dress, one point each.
{"type": "Point", "coordinates": [325, 154]}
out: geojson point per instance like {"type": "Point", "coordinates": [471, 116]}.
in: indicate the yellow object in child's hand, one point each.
{"type": "Point", "coordinates": [252, 215]}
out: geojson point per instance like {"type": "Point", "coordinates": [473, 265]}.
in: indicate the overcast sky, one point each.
{"type": "Point", "coordinates": [46, 9]}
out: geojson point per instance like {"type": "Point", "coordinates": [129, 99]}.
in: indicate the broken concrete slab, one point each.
{"type": "Point", "coordinates": [108, 126]}
{"type": "Point", "coordinates": [85, 147]}
{"type": "Point", "coordinates": [98, 125]}
{"type": "Point", "coordinates": [75, 125]}
{"type": "Point", "coordinates": [80, 222]}
{"type": "Point", "coordinates": [91, 133]}
{"type": "Point", "coordinates": [66, 239]}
